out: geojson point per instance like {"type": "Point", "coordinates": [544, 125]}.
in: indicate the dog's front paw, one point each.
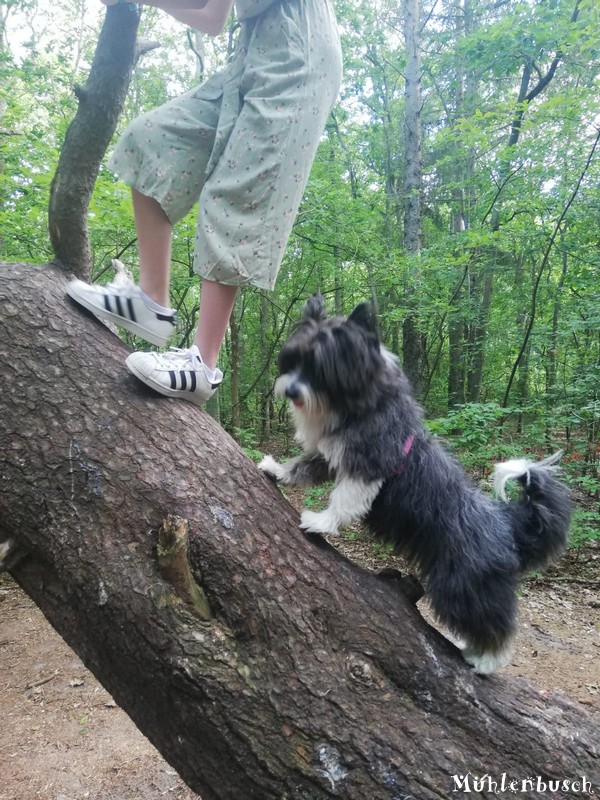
{"type": "Point", "coordinates": [272, 469]}
{"type": "Point", "coordinates": [318, 522]}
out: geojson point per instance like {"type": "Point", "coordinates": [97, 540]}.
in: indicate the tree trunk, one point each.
{"type": "Point", "coordinates": [413, 180]}
{"type": "Point", "coordinates": [266, 386]}
{"type": "Point", "coordinates": [88, 136]}
{"type": "Point", "coordinates": [478, 331]}
{"type": "Point", "coordinates": [527, 94]}
{"type": "Point", "coordinates": [552, 392]}
{"type": "Point", "coordinates": [523, 373]}
{"type": "Point", "coordinates": [456, 366]}
{"type": "Point", "coordinates": [466, 97]}
{"type": "Point", "coordinates": [308, 677]}
{"type": "Point", "coordinates": [412, 338]}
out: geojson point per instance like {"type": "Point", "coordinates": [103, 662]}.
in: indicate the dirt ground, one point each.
{"type": "Point", "coordinates": [62, 737]}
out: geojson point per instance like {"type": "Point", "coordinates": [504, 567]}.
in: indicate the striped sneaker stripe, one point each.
{"type": "Point", "coordinates": [131, 311]}
{"type": "Point", "coordinates": [183, 380]}
{"type": "Point", "coordinates": [126, 313]}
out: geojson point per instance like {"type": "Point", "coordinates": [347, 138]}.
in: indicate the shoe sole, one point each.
{"type": "Point", "coordinates": [132, 327]}
{"type": "Point", "coordinates": [164, 390]}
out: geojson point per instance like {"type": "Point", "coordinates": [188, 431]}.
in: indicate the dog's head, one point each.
{"type": "Point", "coordinates": [333, 363]}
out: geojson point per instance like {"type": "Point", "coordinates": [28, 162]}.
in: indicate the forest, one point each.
{"type": "Point", "coordinates": [487, 287]}
{"type": "Point", "coordinates": [456, 188]}
{"type": "Point", "coordinates": [463, 204]}
{"type": "Point", "coordinates": [488, 291]}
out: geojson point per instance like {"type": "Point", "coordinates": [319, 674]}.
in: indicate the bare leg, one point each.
{"type": "Point", "coordinates": [216, 305]}
{"type": "Point", "coordinates": [154, 232]}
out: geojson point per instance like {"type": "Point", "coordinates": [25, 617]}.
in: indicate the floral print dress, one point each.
{"type": "Point", "coordinates": [242, 144]}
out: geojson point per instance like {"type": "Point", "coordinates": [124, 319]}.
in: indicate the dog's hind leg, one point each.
{"type": "Point", "coordinates": [350, 501]}
{"type": "Point", "coordinates": [480, 610]}
{"type": "Point", "coordinates": [487, 662]}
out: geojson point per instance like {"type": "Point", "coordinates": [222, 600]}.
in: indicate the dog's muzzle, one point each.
{"type": "Point", "coordinates": [293, 393]}
{"type": "Point", "coordinates": [290, 387]}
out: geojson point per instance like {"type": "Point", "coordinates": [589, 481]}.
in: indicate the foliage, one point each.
{"type": "Point", "coordinates": [248, 443]}
{"type": "Point", "coordinates": [475, 431]}
{"type": "Point", "coordinates": [509, 119]}
{"type": "Point", "coordinates": [316, 497]}
{"type": "Point", "coordinates": [585, 527]}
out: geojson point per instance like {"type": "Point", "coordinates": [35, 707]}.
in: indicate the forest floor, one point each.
{"type": "Point", "coordinates": [62, 737]}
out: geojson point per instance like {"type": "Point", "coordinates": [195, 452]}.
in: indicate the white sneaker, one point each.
{"type": "Point", "coordinates": [176, 373]}
{"type": "Point", "coordinates": [124, 303]}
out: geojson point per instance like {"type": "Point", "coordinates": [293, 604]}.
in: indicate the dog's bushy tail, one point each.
{"type": "Point", "coordinates": [542, 515]}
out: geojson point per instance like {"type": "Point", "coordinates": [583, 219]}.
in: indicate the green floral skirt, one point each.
{"type": "Point", "coordinates": [243, 143]}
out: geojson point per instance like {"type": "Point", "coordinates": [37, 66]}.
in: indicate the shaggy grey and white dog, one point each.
{"type": "Point", "coordinates": [358, 422]}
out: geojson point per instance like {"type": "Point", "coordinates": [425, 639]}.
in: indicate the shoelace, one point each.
{"type": "Point", "coordinates": [115, 287]}
{"type": "Point", "coordinates": [180, 357]}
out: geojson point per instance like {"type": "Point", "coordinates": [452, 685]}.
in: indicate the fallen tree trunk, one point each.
{"type": "Point", "coordinates": [274, 668]}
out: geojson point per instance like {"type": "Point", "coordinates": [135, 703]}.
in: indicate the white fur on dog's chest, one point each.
{"type": "Point", "coordinates": [310, 434]}
{"type": "Point", "coordinates": [309, 430]}
{"type": "Point", "coordinates": [332, 451]}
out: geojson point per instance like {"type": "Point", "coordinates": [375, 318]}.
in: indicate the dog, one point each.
{"type": "Point", "coordinates": [359, 424]}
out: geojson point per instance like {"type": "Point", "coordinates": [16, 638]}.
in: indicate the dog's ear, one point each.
{"type": "Point", "coordinates": [315, 308]}
{"type": "Point", "coordinates": [364, 317]}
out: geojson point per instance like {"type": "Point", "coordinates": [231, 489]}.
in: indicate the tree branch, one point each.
{"type": "Point", "coordinates": [542, 268]}
{"type": "Point", "coordinates": [525, 97]}
{"type": "Point", "coordinates": [87, 138]}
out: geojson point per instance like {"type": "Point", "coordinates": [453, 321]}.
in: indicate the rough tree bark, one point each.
{"type": "Point", "coordinates": [312, 678]}
{"type": "Point", "coordinates": [412, 337]}
{"type": "Point", "coordinates": [88, 136]}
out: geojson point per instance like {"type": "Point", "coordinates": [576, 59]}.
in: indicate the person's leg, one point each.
{"type": "Point", "coordinates": [166, 188]}
{"type": "Point", "coordinates": [154, 232]}
{"type": "Point", "coordinates": [191, 374]}
{"type": "Point", "coordinates": [144, 309]}
{"type": "Point", "coordinates": [216, 305]}
{"type": "Point", "coordinates": [154, 244]}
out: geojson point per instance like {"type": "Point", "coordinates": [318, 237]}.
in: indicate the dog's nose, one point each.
{"type": "Point", "coordinates": [292, 392]}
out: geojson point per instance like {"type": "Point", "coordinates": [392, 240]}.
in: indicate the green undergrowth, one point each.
{"type": "Point", "coordinates": [480, 435]}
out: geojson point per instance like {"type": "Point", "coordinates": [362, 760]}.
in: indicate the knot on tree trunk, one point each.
{"type": "Point", "coordinates": [175, 567]}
